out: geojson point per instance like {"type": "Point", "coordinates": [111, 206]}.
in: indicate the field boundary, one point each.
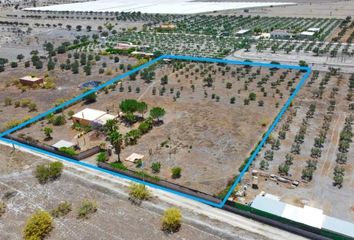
{"type": "Point", "coordinates": [306, 70]}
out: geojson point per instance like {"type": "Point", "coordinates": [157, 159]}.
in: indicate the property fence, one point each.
{"type": "Point", "coordinates": [162, 183]}
{"type": "Point", "coordinates": [282, 223]}
{"type": "Point", "coordinates": [82, 155]}
{"type": "Point", "coordinates": [241, 209]}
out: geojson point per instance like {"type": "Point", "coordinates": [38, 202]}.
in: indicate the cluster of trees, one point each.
{"type": "Point", "coordinates": [321, 138]}
{"type": "Point", "coordinates": [338, 175]}
{"type": "Point", "coordinates": [307, 172]}
{"type": "Point", "coordinates": [344, 26]}
{"type": "Point", "coordinates": [83, 60]}
{"type": "Point", "coordinates": [36, 60]}
{"type": "Point", "coordinates": [350, 91]}
{"type": "Point", "coordinates": [345, 140]}
{"type": "Point", "coordinates": [283, 168]}
{"type": "Point", "coordinates": [129, 107]}
{"type": "Point", "coordinates": [56, 120]}
{"type": "Point", "coordinates": [300, 136]}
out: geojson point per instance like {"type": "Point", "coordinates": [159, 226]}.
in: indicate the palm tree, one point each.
{"type": "Point", "coordinates": [110, 126]}
{"type": "Point", "coordinates": [116, 139]}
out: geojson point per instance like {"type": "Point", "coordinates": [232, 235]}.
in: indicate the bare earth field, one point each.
{"type": "Point", "coordinates": [208, 138]}
{"type": "Point", "coordinates": [116, 217]}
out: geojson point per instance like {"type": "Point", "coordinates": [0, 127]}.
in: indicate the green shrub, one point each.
{"type": "Point", "coordinates": [25, 102]}
{"type": "Point", "coordinates": [144, 174]}
{"type": "Point", "coordinates": [176, 172]}
{"type": "Point", "coordinates": [49, 172]}
{"type": "Point", "coordinates": [156, 167]}
{"type": "Point", "coordinates": [38, 226]}
{"type": "Point", "coordinates": [119, 166]}
{"type": "Point", "coordinates": [145, 127]}
{"type": "Point", "coordinates": [2, 208]}
{"type": "Point", "coordinates": [131, 137]}
{"type": "Point", "coordinates": [68, 150]}
{"type": "Point", "coordinates": [102, 157]}
{"type": "Point", "coordinates": [61, 210]}
{"type": "Point", "coordinates": [139, 163]}
{"type": "Point", "coordinates": [87, 207]}
{"type": "Point", "coordinates": [171, 220]}
{"type": "Point", "coordinates": [252, 96]}
{"type": "Point", "coordinates": [80, 127]}
{"type": "Point", "coordinates": [138, 193]}
{"type": "Point", "coordinates": [58, 120]}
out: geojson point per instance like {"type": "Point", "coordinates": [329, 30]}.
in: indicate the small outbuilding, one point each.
{"type": "Point", "coordinates": [243, 32]}
{"type": "Point", "coordinates": [307, 34]}
{"type": "Point", "coordinates": [63, 143]}
{"type": "Point", "coordinates": [134, 157]}
{"type": "Point", "coordinates": [168, 26]}
{"type": "Point", "coordinates": [31, 80]}
{"type": "Point", "coordinates": [281, 34]}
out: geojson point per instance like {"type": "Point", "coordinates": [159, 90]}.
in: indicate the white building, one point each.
{"type": "Point", "coordinates": [307, 34]}
{"type": "Point", "coordinates": [90, 116]}
{"type": "Point", "coordinates": [307, 215]}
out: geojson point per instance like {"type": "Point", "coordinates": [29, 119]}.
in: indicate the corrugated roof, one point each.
{"type": "Point", "coordinates": [307, 215]}
{"type": "Point", "coordinates": [104, 118]}
{"type": "Point", "coordinates": [63, 143]}
{"type": "Point", "coordinates": [269, 205]}
{"type": "Point", "coordinates": [338, 225]}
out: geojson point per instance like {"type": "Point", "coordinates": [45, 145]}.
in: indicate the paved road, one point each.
{"type": "Point", "coordinates": [317, 63]}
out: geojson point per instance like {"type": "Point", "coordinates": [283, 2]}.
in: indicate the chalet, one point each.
{"type": "Point", "coordinates": [92, 117]}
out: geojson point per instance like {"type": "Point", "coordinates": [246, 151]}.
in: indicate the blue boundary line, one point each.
{"type": "Point", "coordinates": [118, 78]}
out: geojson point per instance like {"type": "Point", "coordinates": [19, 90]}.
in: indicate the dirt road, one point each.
{"type": "Point", "coordinates": [200, 219]}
